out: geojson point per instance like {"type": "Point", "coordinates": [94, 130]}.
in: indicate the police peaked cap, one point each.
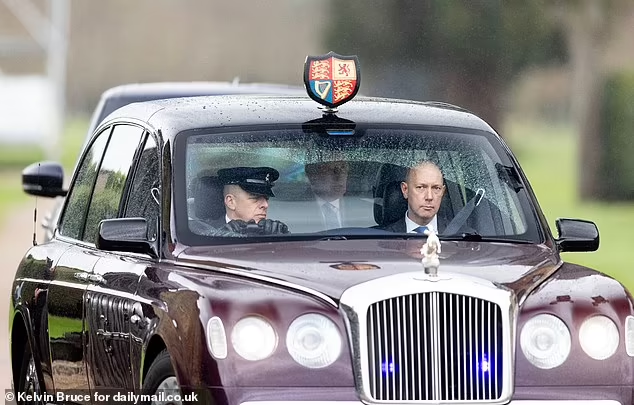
{"type": "Point", "coordinates": [255, 180]}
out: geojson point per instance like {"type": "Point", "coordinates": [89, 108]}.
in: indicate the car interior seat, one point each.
{"type": "Point", "coordinates": [389, 203]}
{"type": "Point", "coordinates": [208, 199]}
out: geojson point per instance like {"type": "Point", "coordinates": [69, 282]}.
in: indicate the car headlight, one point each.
{"type": "Point", "coordinates": [599, 337]}
{"type": "Point", "coordinates": [313, 341]}
{"type": "Point", "coordinates": [254, 338]}
{"type": "Point", "coordinates": [545, 341]}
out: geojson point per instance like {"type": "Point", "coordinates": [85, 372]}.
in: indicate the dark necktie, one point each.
{"type": "Point", "coordinates": [420, 229]}
{"type": "Point", "coordinates": [330, 216]}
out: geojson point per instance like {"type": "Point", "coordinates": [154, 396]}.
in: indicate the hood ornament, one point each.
{"type": "Point", "coordinates": [430, 252]}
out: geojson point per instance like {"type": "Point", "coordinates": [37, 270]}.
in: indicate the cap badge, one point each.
{"type": "Point", "coordinates": [332, 79]}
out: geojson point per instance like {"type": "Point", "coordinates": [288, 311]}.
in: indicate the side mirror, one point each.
{"type": "Point", "coordinates": [577, 235]}
{"type": "Point", "coordinates": [125, 235]}
{"type": "Point", "coordinates": [44, 179]}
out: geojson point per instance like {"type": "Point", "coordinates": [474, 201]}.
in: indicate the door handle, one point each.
{"type": "Point", "coordinates": [93, 278]}
{"type": "Point", "coordinates": [96, 278]}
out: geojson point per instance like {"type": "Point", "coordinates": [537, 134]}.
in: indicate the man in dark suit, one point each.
{"type": "Point", "coordinates": [423, 189]}
{"type": "Point", "coordinates": [328, 182]}
{"type": "Point", "coordinates": [246, 192]}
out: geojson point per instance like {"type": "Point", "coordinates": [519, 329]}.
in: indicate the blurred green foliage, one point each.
{"type": "Point", "coordinates": [617, 168]}
{"type": "Point", "coordinates": [104, 205]}
{"type": "Point", "coordinates": [489, 40]}
{"type": "Point", "coordinates": [73, 222]}
{"type": "Point", "coordinates": [548, 156]}
{"type": "Point", "coordinates": [10, 190]}
{"type": "Point", "coordinates": [15, 158]}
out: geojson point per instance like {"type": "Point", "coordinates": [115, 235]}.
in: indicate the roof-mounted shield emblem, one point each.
{"type": "Point", "coordinates": [332, 79]}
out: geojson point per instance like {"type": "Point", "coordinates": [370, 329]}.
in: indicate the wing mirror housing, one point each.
{"type": "Point", "coordinates": [44, 179]}
{"type": "Point", "coordinates": [125, 235]}
{"type": "Point", "coordinates": [577, 235]}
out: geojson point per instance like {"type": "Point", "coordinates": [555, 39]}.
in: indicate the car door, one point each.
{"type": "Point", "coordinates": [69, 278]}
{"type": "Point", "coordinates": [109, 297]}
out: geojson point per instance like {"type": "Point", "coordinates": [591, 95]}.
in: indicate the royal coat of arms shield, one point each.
{"type": "Point", "coordinates": [331, 79]}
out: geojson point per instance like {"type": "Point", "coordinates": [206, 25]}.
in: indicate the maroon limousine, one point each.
{"type": "Point", "coordinates": [260, 250]}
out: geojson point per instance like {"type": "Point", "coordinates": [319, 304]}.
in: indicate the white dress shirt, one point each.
{"type": "Point", "coordinates": [411, 225]}
{"type": "Point", "coordinates": [335, 204]}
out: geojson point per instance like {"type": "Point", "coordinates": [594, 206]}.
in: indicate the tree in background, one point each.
{"type": "Point", "coordinates": [462, 52]}
{"type": "Point", "coordinates": [588, 25]}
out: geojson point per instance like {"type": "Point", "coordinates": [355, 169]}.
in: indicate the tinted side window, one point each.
{"type": "Point", "coordinates": [72, 222]}
{"type": "Point", "coordinates": [110, 182]}
{"type": "Point", "coordinates": [145, 191]}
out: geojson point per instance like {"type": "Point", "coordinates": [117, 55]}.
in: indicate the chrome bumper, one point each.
{"type": "Point", "coordinates": [518, 402]}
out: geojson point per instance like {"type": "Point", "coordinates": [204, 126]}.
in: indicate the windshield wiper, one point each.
{"type": "Point", "coordinates": [476, 237]}
{"type": "Point", "coordinates": [468, 236]}
{"type": "Point", "coordinates": [334, 237]}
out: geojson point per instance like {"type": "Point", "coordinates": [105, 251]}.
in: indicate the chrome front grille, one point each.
{"type": "Point", "coordinates": [435, 346]}
{"type": "Point", "coordinates": [445, 339]}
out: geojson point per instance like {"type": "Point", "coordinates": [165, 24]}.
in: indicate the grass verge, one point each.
{"type": "Point", "coordinates": [548, 156]}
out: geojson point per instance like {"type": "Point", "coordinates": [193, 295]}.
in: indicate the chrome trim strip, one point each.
{"type": "Point", "coordinates": [517, 402]}
{"type": "Point", "coordinates": [435, 345]}
{"type": "Point", "coordinates": [84, 286]}
{"type": "Point", "coordinates": [302, 403]}
{"type": "Point", "coordinates": [87, 245]}
{"type": "Point", "coordinates": [258, 277]}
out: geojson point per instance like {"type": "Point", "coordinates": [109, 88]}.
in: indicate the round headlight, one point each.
{"type": "Point", "coordinates": [254, 338]}
{"type": "Point", "coordinates": [545, 341]}
{"type": "Point", "coordinates": [313, 341]}
{"type": "Point", "coordinates": [599, 337]}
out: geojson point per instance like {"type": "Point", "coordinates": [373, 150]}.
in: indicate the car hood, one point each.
{"type": "Point", "coordinates": [331, 267]}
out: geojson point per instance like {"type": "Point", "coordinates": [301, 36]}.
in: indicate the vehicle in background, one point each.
{"type": "Point", "coordinates": [119, 96]}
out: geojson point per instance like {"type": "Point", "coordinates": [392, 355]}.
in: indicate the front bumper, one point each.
{"type": "Point", "coordinates": [546, 395]}
{"type": "Point", "coordinates": [518, 402]}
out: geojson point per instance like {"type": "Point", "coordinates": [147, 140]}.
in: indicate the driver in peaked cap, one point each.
{"type": "Point", "coordinates": [246, 194]}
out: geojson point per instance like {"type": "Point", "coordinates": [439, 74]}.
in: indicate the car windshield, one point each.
{"type": "Point", "coordinates": [361, 175]}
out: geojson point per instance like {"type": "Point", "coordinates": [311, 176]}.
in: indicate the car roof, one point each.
{"type": "Point", "coordinates": [179, 114]}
